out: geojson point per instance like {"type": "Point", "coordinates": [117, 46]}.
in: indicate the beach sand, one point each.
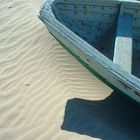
{"type": "Point", "coordinates": [46, 94]}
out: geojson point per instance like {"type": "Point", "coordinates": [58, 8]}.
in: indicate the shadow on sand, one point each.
{"type": "Point", "coordinates": [113, 118]}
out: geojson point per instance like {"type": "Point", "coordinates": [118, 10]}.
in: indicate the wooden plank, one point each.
{"type": "Point", "coordinates": [96, 17]}
{"type": "Point", "coordinates": [109, 3]}
{"type": "Point", "coordinates": [136, 22]}
{"type": "Point", "coordinates": [90, 8]}
{"type": "Point", "coordinates": [132, 4]}
{"type": "Point", "coordinates": [123, 43]}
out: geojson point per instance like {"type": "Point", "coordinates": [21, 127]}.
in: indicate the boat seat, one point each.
{"type": "Point", "coordinates": [123, 42]}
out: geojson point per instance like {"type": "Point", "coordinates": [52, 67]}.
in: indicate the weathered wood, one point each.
{"type": "Point", "coordinates": [123, 43]}
{"type": "Point", "coordinates": [74, 34]}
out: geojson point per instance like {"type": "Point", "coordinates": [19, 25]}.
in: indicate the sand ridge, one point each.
{"type": "Point", "coordinates": [47, 94]}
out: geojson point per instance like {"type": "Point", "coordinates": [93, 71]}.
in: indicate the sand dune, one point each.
{"type": "Point", "coordinates": [45, 93]}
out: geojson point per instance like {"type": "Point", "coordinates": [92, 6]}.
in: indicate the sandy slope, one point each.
{"type": "Point", "coordinates": [45, 93]}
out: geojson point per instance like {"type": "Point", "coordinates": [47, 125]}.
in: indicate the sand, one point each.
{"type": "Point", "coordinates": [46, 94]}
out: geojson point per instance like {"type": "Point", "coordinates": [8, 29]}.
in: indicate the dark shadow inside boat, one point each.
{"type": "Point", "coordinates": [105, 45]}
{"type": "Point", "coordinates": [136, 61]}
{"type": "Point", "coordinates": [110, 119]}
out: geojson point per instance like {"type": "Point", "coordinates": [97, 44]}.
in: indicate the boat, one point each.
{"type": "Point", "coordinates": [104, 35]}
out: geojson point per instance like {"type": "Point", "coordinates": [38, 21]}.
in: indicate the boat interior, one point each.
{"type": "Point", "coordinates": [112, 27]}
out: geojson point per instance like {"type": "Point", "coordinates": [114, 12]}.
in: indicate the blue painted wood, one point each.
{"type": "Point", "coordinates": [90, 34]}
{"type": "Point", "coordinates": [124, 27]}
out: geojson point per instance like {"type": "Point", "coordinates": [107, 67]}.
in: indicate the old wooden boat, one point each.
{"type": "Point", "coordinates": [103, 34]}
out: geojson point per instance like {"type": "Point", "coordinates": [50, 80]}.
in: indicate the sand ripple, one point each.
{"type": "Point", "coordinates": [45, 93]}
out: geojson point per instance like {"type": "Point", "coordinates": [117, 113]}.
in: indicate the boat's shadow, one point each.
{"type": "Point", "coordinates": [113, 118]}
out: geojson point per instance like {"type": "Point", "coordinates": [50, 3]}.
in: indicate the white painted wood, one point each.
{"type": "Point", "coordinates": [123, 53]}
{"type": "Point", "coordinates": [123, 43]}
